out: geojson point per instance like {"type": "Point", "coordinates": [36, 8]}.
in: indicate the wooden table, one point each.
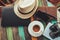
{"type": "Point", "coordinates": [15, 32]}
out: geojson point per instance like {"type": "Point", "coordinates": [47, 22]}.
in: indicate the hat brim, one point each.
{"type": "Point", "coordinates": [20, 15]}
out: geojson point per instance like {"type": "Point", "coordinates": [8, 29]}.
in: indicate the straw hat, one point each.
{"type": "Point", "coordinates": [25, 8]}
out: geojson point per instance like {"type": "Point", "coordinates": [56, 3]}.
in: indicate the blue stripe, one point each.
{"type": "Point", "coordinates": [21, 32]}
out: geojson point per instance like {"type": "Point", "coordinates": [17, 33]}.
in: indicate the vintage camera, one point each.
{"type": "Point", "coordinates": [55, 31]}
{"type": "Point", "coordinates": [55, 34]}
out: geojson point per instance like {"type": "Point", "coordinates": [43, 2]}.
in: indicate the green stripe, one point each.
{"type": "Point", "coordinates": [9, 33]}
{"type": "Point", "coordinates": [21, 32]}
{"type": "Point", "coordinates": [39, 3]}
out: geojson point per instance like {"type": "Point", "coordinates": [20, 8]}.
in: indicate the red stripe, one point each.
{"type": "Point", "coordinates": [0, 11]}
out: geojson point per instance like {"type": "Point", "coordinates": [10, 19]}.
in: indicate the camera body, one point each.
{"type": "Point", "coordinates": [55, 31]}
